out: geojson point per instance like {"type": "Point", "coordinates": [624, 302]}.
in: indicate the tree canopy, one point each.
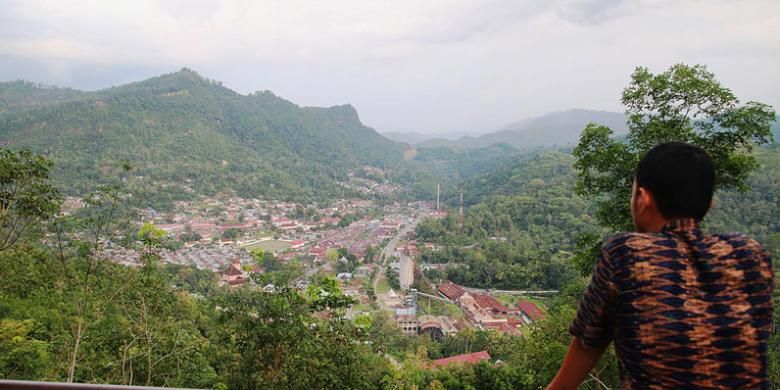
{"type": "Point", "coordinates": [685, 104]}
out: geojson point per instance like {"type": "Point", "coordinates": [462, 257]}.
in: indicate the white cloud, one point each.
{"type": "Point", "coordinates": [407, 65]}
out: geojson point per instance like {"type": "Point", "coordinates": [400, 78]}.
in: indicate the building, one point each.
{"type": "Point", "coordinates": [469, 358]}
{"type": "Point", "coordinates": [392, 298]}
{"type": "Point", "coordinates": [408, 323]}
{"type": "Point", "coordinates": [234, 275]}
{"type": "Point", "coordinates": [344, 276]}
{"type": "Point", "coordinates": [436, 327]}
{"type": "Point", "coordinates": [406, 272]}
{"type": "Point", "coordinates": [529, 312]}
{"type": "Point", "coordinates": [451, 291]}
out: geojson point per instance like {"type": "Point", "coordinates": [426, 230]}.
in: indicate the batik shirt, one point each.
{"type": "Point", "coordinates": [685, 310]}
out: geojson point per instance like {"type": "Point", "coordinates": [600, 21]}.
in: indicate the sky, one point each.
{"type": "Point", "coordinates": [424, 66]}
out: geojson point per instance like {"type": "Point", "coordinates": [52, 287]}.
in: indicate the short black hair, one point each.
{"type": "Point", "coordinates": [681, 178]}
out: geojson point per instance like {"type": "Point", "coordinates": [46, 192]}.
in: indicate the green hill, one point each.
{"type": "Point", "coordinates": [553, 129]}
{"type": "Point", "coordinates": [182, 129]}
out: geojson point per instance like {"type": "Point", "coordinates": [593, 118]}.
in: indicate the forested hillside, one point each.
{"type": "Point", "coordinates": [449, 168]}
{"type": "Point", "coordinates": [182, 130]}
{"type": "Point", "coordinates": [525, 219]}
{"type": "Point", "coordinates": [521, 230]}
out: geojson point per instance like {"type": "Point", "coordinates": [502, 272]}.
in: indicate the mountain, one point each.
{"type": "Point", "coordinates": [16, 96]}
{"type": "Point", "coordinates": [408, 138]}
{"type": "Point", "coordinates": [181, 129]}
{"type": "Point", "coordinates": [554, 129]}
{"type": "Point", "coordinates": [416, 138]}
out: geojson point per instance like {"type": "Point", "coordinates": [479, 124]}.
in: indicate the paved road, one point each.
{"type": "Point", "coordinates": [384, 255]}
{"type": "Point", "coordinates": [511, 292]}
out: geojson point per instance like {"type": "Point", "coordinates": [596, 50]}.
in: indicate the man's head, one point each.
{"type": "Point", "coordinates": [673, 180]}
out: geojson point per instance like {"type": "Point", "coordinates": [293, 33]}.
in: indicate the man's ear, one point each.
{"type": "Point", "coordinates": [644, 199]}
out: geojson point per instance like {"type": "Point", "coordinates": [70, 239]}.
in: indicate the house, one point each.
{"type": "Point", "coordinates": [408, 323]}
{"type": "Point", "coordinates": [469, 358]}
{"type": "Point", "coordinates": [529, 311]}
{"type": "Point", "coordinates": [288, 226]}
{"type": "Point", "coordinates": [451, 291]}
{"type": "Point", "coordinates": [392, 298]}
{"type": "Point", "coordinates": [278, 221]}
{"type": "Point", "coordinates": [431, 326]}
{"type": "Point", "coordinates": [344, 276]}
{"type": "Point", "coordinates": [363, 271]}
{"type": "Point", "coordinates": [490, 304]}
{"type": "Point", "coordinates": [234, 275]}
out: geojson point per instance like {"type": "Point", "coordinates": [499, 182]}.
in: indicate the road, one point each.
{"type": "Point", "coordinates": [511, 292]}
{"type": "Point", "coordinates": [384, 255]}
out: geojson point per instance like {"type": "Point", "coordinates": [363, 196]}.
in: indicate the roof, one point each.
{"type": "Point", "coordinates": [234, 269]}
{"type": "Point", "coordinates": [469, 358]}
{"type": "Point", "coordinates": [485, 300]}
{"type": "Point", "coordinates": [451, 290]}
{"type": "Point", "coordinates": [530, 309]}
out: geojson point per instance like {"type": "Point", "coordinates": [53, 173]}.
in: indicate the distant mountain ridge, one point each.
{"type": "Point", "coordinates": [554, 129]}
{"type": "Point", "coordinates": [184, 128]}
{"type": "Point", "coordinates": [416, 138]}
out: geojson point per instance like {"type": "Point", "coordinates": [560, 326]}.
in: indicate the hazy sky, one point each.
{"type": "Point", "coordinates": [421, 66]}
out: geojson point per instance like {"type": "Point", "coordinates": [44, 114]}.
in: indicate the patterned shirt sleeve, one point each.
{"type": "Point", "coordinates": [594, 323]}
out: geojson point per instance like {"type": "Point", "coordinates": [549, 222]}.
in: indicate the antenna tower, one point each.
{"type": "Point", "coordinates": [460, 211]}
{"type": "Point", "coordinates": [438, 191]}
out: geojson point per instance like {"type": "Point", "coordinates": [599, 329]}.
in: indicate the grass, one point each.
{"type": "Point", "coordinates": [383, 286]}
{"type": "Point", "coordinates": [511, 300]}
{"type": "Point", "coordinates": [439, 308]}
{"type": "Point", "coordinates": [269, 246]}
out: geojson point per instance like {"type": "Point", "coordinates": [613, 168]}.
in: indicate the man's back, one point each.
{"type": "Point", "coordinates": [684, 309]}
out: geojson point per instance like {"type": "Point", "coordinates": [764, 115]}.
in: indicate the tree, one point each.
{"type": "Point", "coordinates": [685, 104]}
{"type": "Point", "coordinates": [26, 194]}
{"type": "Point", "coordinates": [370, 254]}
{"type": "Point", "coordinates": [392, 278]}
{"type": "Point", "coordinates": [21, 356]}
{"type": "Point", "coordinates": [231, 234]}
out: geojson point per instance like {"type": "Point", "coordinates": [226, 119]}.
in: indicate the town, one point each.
{"type": "Point", "coordinates": [368, 247]}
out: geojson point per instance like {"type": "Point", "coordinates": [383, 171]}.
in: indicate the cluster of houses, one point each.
{"type": "Point", "coordinates": [367, 186]}
{"type": "Point", "coordinates": [215, 258]}
{"type": "Point", "coordinates": [356, 238]}
{"type": "Point", "coordinates": [485, 312]}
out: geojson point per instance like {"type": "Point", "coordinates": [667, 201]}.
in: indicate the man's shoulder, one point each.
{"type": "Point", "coordinates": [632, 241]}
{"type": "Point", "coordinates": [737, 239]}
{"type": "Point", "coordinates": [741, 243]}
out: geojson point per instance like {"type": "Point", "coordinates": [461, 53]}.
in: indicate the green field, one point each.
{"type": "Point", "coordinates": [511, 300]}
{"type": "Point", "coordinates": [382, 287]}
{"type": "Point", "coordinates": [439, 308]}
{"type": "Point", "coordinates": [269, 246]}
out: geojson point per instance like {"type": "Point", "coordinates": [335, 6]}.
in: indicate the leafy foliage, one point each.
{"type": "Point", "coordinates": [685, 103]}
{"type": "Point", "coordinates": [515, 241]}
{"type": "Point", "coordinates": [26, 196]}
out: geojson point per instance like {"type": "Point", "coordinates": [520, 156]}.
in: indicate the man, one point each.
{"type": "Point", "coordinates": [684, 309]}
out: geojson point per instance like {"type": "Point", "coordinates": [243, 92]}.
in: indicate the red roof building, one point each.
{"type": "Point", "coordinates": [451, 291]}
{"type": "Point", "coordinates": [530, 309]}
{"type": "Point", "coordinates": [469, 358]}
{"type": "Point", "coordinates": [488, 302]}
{"type": "Point", "coordinates": [234, 275]}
